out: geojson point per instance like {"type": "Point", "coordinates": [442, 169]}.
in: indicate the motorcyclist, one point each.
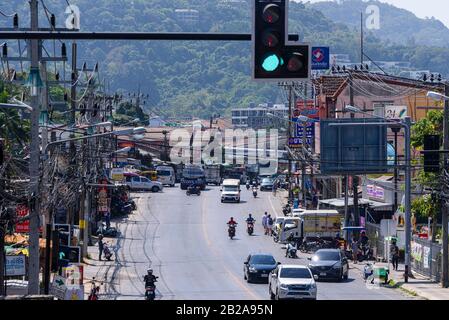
{"type": "Point", "coordinates": [232, 222]}
{"type": "Point", "coordinates": [291, 244]}
{"type": "Point", "coordinates": [250, 219]}
{"type": "Point", "coordinates": [364, 239]}
{"type": "Point", "coordinates": [150, 278]}
{"type": "Point", "coordinates": [248, 185]}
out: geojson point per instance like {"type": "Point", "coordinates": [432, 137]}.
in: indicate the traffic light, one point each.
{"type": "Point", "coordinates": [431, 159]}
{"type": "Point", "coordinates": [274, 58]}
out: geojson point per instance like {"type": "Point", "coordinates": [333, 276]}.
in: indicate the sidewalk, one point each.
{"type": "Point", "coordinates": [418, 285]}
{"type": "Point", "coordinates": [100, 270]}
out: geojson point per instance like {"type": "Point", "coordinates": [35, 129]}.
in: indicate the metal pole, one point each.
{"type": "Point", "coordinates": [47, 258]}
{"type": "Point", "coordinates": [33, 268]}
{"type": "Point", "coordinates": [2, 261]}
{"type": "Point", "coordinates": [444, 220]}
{"type": "Point", "coordinates": [396, 131]}
{"type": "Point", "coordinates": [408, 191]}
{"type": "Point", "coordinates": [303, 172]}
{"type": "Point", "coordinates": [290, 191]}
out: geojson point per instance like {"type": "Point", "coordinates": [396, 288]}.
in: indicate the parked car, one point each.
{"type": "Point", "coordinates": [267, 184]}
{"type": "Point", "coordinates": [330, 264]}
{"type": "Point", "coordinates": [292, 282]}
{"type": "Point", "coordinates": [137, 183]}
{"type": "Point", "coordinates": [258, 267]}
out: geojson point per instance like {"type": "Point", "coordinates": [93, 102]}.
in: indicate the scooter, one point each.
{"type": "Point", "coordinates": [365, 253]}
{"type": "Point", "coordinates": [255, 193]}
{"type": "Point", "coordinates": [286, 210]}
{"type": "Point", "coordinates": [291, 251]}
{"type": "Point", "coordinates": [107, 253]}
{"type": "Point", "coordinates": [150, 291]}
{"type": "Point", "coordinates": [250, 228]}
{"type": "Point", "coordinates": [248, 186]}
{"type": "Point", "coordinates": [231, 231]}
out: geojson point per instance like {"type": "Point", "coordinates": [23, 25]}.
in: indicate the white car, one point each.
{"type": "Point", "coordinates": [292, 282]}
{"type": "Point", "coordinates": [136, 183]}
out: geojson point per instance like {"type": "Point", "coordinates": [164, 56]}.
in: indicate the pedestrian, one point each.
{"type": "Point", "coordinates": [270, 225]}
{"type": "Point", "coordinates": [394, 253]}
{"type": "Point", "coordinates": [100, 246]}
{"type": "Point", "coordinates": [274, 189]}
{"type": "Point", "coordinates": [107, 217]}
{"type": "Point", "coordinates": [264, 222]}
{"type": "Point", "coordinates": [355, 249]}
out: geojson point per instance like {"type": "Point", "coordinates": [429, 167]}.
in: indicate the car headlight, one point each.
{"type": "Point", "coordinates": [252, 269]}
{"type": "Point", "coordinates": [313, 286]}
{"type": "Point", "coordinates": [283, 287]}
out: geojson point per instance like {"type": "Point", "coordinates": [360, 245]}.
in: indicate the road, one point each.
{"type": "Point", "coordinates": [184, 239]}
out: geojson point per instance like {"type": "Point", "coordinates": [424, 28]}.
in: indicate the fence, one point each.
{"type": "Point", "coordinates": [377, 242]}
{"type": "Point", "coordinates": [426, 258]}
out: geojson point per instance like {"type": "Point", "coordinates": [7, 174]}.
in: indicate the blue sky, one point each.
{"type": "Point", "coordinates": [421, 8]}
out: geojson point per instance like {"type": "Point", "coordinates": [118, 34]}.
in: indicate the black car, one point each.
{"type": "Point", "coordinates": [258, 267]}
{"type": "Point", "coordinates": [329, 264]}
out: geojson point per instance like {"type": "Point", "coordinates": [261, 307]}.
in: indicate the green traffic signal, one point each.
{"type": "Point", "coordinates": [272, 62]}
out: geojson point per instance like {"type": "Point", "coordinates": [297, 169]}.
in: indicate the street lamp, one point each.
{"type": "Point", "coordinates": [437, 96]}
{"type": "Point", "coordinates": [406, 123]}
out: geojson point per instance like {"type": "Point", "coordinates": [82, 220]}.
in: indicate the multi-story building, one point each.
{"type": "Point", "coordinates": [256, 117]}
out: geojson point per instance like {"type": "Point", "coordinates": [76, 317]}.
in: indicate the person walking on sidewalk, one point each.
{"type": "Point", "coordinates": [100, 246]}
{"type": "Point", "coordinates": [394, 253]}
{"type": "Point", "coordinates": [264, 223]}
{"type": "Point", "coordinates": [270, 223]}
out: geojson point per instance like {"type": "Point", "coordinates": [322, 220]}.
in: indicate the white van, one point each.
{"type": "Point", "coordinates": [166, 175]}
{"type": "Point", "coordinates": [230, 190]}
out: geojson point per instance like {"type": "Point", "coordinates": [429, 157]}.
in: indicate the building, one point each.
{"type": "Point", "coordinates": [156, 122]}
{"type": "Point", "coordinates": [258, 117]}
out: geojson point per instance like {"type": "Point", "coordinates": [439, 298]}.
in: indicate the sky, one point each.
{"type": "Point", "coordinates": [421, 8]}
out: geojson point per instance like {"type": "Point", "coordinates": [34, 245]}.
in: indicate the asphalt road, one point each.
{"type": "Point", "coordinates": [184, 239]}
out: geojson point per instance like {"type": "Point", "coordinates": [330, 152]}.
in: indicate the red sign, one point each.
{"type": "Point", "coordinates": [307, 109]}
{"type": "Point", "coordinates": [22, 211]}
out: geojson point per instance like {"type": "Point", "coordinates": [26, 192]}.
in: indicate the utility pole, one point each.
{"type": "Point", "coordinates": [2, 233]}
{"type": "Point", "coordinates": [396, 130]}
{"type": "Point", "coordinates": [33, 267]}
{"type": "Point", "coordinates": [304, 143]}
{"type": "Point", "coordinates": [290, 191]}
{"type": "Point", "coordinates": [444, 220]}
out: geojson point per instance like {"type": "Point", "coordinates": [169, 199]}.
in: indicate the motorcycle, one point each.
{"type": "Point", "coordinates": [365, 253]}
{"type": "Point", "coordinates": [231, 231]}
{"type": "Point", "coordinates": [286, 210]}
{"type": "Point", "coordinates": [250, 228]}
{"type": "Point", "coordinates": [110, 232]}
{"type": "Point", "coordinates": [248, 186]}
{"type": "Point", "coordinates": [291, 251]}
{"type": "Point", "coordinates": [93, 292]}
{"type": "Point", "coordinates": [193, 190]}
{"type": "Point", "coordinates": [255, 193]}
{"type": "Point", "coordinates": [150, 291]}
{"type": "Point", "coordinates": [107, 253]}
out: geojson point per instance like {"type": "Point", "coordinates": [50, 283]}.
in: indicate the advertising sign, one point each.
{"type": "Point", "coordinates": [375, 192]}
{"type": "Point", "coordinates": [395, 112]}
{"type": "Point", "coordinates": [118, 174]}
{"type": "Point", "coordinates": [320, 58]}
{"type": "Point", "coordinates": [15, 266]}
{"type": "Point", "coordinates": [417, 251]}
{"type": "Point", "coordinates": [74, 293]}
{"type": "Point", "coordinates": [58, 288]}
{"type": "Point", "coordinates": [103, 198]}
{"type": "Point", "coordinates": [310, 132]}
{"type": "Point", "coordinates": [22, 211]}
{"type": "Point", "coordinates": [307, 108]}
{"type": "Point", "coordinates": [295, 143]}
{"type": "Point", "coordinates": [322, 224]}
{"type": "Point", "coordinates": [74, 275]}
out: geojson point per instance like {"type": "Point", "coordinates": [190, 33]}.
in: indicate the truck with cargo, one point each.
{"type": "Point", "coordinates": [213, 174]}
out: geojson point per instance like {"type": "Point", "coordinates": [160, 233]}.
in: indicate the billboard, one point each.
{"type": "Point", "coordinates": [307, 108]}
{"type": "Point", "coordinates": [353, 146]}
{"type": "Point", "coordinates": [320, 58]}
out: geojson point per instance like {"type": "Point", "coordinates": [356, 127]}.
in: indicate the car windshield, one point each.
{"type": "Point", "coordinates": [326, 256]}
{"type": "Point", "coordinates": [231, 188]}
{"type": "Point", "coordinates": [267, 181]}
{"type": "Point", "coordinates": [262, 260]}
{"type": "Point", "coordinates": [297, 273]}
{"type": "Point", "coordinates": [163, 173]}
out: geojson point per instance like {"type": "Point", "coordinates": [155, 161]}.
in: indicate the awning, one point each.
{"type": "Point", "coordinates": [340, 203]}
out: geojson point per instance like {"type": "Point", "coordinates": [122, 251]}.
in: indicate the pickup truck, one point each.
{"type": "Point", "coordinates": [137, 183]}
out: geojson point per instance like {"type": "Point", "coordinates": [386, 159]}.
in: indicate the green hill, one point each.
{"type": "Point", "coordinates": [201, 78]}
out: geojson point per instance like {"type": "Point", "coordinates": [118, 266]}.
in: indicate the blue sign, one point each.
{"type": "Point", "coordinates": [320, 58]}
{"type": "Point", "coordinates": [310, 132]}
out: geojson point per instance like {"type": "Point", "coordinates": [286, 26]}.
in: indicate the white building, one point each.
{"type": "Point", "coordinates": [256, 117]}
